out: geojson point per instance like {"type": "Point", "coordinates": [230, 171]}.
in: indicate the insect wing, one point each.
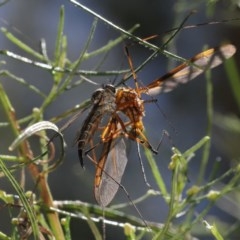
{"type": "Point", "coordinates": [210, 58]}
{"type": "Point", "coordinates": [110, 170]}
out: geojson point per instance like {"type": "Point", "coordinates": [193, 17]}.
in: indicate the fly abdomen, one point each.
{"type": "Point", "coordinates": [103, 100]}
{"type": "Point", "coordinates": [87, 131]}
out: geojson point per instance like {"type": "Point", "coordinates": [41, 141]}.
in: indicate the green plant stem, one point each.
{"type": "Point", "coordinates": [206, 150]}
{"type": "Point", "coordinates": [156, 173]}
{"type": "Point", "coordinates": [26, 153]}
{"type": "Point", "coordinates": [22, 45]}
{"type": "Point", "coordinates": [142, 42]}
{"type": "Point", "coordinates": [233, 75]}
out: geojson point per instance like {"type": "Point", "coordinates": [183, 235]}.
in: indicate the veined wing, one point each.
{"type": "Point", "coordinates": [210, 58]}
{"type": "Point", "coordinates": [110, 168]}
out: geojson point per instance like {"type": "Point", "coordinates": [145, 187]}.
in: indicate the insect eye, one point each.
{"type": "Point", "coordinates": [111, 88]}
{"type": "Point", "coordinates": [96, 95]}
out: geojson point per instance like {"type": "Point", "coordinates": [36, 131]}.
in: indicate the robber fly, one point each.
{"type": "Point", "coordinates": [124, 108]}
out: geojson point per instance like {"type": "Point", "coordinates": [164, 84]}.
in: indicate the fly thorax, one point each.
{"type": "Point", "coordinates": [128, 100]}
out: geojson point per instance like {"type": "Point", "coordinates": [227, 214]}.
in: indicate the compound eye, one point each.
{"type": "Point", "coordinates": [97, 95]}
{"type": "Point", "coordinates": [111, 88]}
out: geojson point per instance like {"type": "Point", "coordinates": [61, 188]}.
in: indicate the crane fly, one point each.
{"type": "Point", "coordinates": [124, 109]}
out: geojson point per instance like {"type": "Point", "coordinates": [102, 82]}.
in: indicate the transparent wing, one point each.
{"type": "Point", "coordinates": [210, 58]}
{"type": "Point", "coordinates": [110, 170]}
